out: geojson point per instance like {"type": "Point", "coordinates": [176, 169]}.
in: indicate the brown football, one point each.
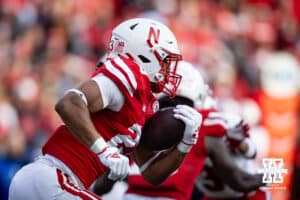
{"type": "Point", "coordinates": [162, 130]}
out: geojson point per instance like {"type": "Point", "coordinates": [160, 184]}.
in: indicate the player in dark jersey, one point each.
{"type": "Point", "coordinates": [104, 115]}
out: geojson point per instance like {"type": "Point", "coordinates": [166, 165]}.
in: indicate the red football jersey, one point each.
{"type": "Point", "coordinates": [121, 129]}
{"type": "Point", "coordinates": [179, 186]}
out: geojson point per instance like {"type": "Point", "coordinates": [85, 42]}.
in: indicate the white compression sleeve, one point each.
{"type": "Point", "coordinates": [111, 95]}
{"type": "Point", "coordinates": [80, 94]}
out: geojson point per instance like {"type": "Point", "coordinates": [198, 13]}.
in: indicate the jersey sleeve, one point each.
{"type": "Point", "coordinates": [121, 73]}
{"type": "Point", "coordinates": [214, 125]}
{"type": "Point", "coordinates": [111, 95]}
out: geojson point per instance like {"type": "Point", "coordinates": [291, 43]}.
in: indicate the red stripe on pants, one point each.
{"type": "Point", "coordinates": [67, 185]}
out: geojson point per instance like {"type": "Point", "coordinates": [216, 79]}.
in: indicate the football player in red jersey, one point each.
{"type": "Point", "coordinates": [103, 117]}
{"type": "Point", "coordinates": [214, 179]}
{"type": "Point", "coordinates": [215, 127]}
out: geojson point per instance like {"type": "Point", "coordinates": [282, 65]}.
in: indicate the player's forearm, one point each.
{"type": "Point", "coordinates": [162, 167]}
{"type": "Point", "coordinates": [248, 148]}
{"type": "Point", "coordinates": [253, 181]}
{"type": "Point", "coordinates": [76, 116]}
{"type": "Point", "coordinates": [103, 185]}
{"type": "Point", "coordinates": [244, 182]}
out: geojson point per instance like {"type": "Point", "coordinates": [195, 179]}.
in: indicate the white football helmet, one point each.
{"type": "Point", "coordinates": [192, 85]}
{"type": "Point", "coordinates": [210, 102]}
{"type": "Point", "coordinates": [153, 47]}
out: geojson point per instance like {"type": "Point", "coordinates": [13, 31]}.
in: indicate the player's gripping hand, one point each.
{"type": "Point", "coordinates": [237, 134]}
{"type": "Point", "coordinates": [116, 162]}
{"type": "Point", "coordinates": [110, 157]}
{"type": "Point", "coordinates": [192, 120]}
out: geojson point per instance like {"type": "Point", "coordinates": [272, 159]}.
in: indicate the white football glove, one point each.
{"type": "Point", "coordinates": [192, 120]}
{"type": "Point", "coordinates": [116, 162]}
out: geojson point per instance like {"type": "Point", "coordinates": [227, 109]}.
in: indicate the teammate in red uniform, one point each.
{"type": "Point", "coordinates": [214, 129]}
{"type": "Point", "coordinates": [103, 117]}
{"type": "Point", "coordinates": [213, 182]}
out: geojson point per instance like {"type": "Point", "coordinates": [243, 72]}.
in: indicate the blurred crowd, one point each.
{"type": "Point", "coordinates": [247, 50]}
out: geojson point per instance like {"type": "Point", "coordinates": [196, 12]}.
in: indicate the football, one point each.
{"type": "Point", "coordinates": [162, 131]}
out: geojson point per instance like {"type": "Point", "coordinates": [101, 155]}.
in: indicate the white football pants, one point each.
{"type": "Point", "coordinates": [43, 180]}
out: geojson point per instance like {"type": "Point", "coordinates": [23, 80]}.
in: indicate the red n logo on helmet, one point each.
{"type": "Point", "coordinates": [153, 36]}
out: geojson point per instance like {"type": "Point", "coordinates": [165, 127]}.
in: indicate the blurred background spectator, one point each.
{"type": "Point", "coordinates": [247, 50]}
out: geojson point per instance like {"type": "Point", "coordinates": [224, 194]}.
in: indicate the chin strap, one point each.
{"type": "Point", "coordinates": [150, 161]}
